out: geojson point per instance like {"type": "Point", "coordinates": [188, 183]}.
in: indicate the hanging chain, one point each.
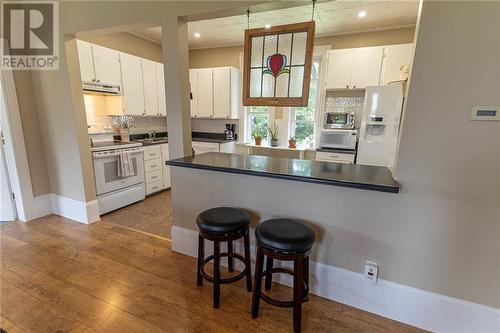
{"type": "Point", "coordinates": [313, 7]}
{"type": "Point", "coordinates": [248, 18]}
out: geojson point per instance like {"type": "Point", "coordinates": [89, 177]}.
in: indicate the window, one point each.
{"type": "Point", "coordinates": [258, 120]}
{"type": "Point", "coordinates": [303, 119]}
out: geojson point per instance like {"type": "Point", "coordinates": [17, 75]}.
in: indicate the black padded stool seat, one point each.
{"type": "Point", "coordinates": [285, 235]}
{"type": "Point", "coordinates": [223, 220]}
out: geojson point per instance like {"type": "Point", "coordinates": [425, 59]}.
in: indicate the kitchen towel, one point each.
{"type": "Point", "coordinates": [125, 165]}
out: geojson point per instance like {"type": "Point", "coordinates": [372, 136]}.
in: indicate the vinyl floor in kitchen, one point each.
{"type": "Point", "coordinates": [152, 215]}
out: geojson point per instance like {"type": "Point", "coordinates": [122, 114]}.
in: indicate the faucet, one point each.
{"type": "Point", "coordinates": [152, 134]}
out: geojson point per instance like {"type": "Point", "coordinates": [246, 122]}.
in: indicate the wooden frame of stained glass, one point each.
{"type": "Point", "coordinates": [277, 65]}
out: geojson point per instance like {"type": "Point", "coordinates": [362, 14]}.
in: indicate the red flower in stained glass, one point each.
{"type": "Point", "coordinates": [276, 65]}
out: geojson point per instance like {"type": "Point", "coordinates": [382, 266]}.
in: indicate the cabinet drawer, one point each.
{"type": "Point", "coordinates": [152, 153]}
{"type": "Point", "coordinates": [152, 165]}
{"type": "Point", "coordinates": [154, 187]}
{"type": "Point", "coordinates": [334, 157]}
{"type": "Point", "coordinates": [154, 176]}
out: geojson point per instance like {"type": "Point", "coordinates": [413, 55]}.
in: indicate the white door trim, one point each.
{"type": "Point", "coordinates": [15, 149]}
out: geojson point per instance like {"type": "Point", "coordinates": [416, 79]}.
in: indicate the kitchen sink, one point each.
{"type": "Point", "coordinates": [154, 140]}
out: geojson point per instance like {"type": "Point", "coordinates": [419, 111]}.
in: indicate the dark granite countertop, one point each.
{"type": "Point", "coordinates": [162, 137]}
{"type": "Point", "coordinates": [328, 173]}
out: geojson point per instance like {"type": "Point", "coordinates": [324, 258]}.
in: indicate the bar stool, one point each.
{"type": "Point", "coordinates": [223, 224]}
{"type": "Point", "coordinates": [288, 240]}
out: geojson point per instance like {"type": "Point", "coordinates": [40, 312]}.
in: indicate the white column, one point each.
{"type": "Point", "coordinates": [176, 66]}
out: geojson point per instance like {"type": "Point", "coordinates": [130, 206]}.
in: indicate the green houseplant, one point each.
{"type": "Point", "coordinates": [292, 143]}
{"type": "Point", "coordinates": [274, 132]}
{"type": "Point", "coordinates": [257, 136]}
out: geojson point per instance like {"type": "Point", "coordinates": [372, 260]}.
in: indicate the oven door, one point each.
{"type": "Point", "coordinates": [106, 171]}
{"type": "Point", "coordinates": [339, 139]}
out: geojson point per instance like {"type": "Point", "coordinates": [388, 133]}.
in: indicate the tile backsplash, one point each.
{"type": "Point", "coordinates": [212, 125]}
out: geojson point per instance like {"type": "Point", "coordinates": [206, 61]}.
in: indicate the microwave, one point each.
{"type": "Point", "coordinates": [343, 120]}
{"type": "Point", "coordinates": [338, 139]}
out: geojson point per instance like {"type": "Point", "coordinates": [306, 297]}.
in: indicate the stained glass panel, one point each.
{"type": "Point", "coordinates": [296, 80]}
{"type": "Point", "coordinates": [299, 48]}
{"type": "Point", "coordinates": [256, 52]}
{"type": "Point", "coordinates": [275, 62]}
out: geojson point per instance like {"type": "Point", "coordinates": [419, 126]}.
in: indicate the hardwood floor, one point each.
{"type": "Point", "coordinates": [62, 276]}
{"type": "Point", "coordinates": [152, 215]}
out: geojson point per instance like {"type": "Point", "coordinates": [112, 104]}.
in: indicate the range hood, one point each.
{"type": "Point", "coordinates": [101, 88]}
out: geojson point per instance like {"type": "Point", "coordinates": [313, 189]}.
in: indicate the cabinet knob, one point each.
{"type": "Point", "coordinates": [98, 80]}
{"type": "Point", "coordinates": [354, 87]}
{"type": "Point", "coordinates": [347, 86]}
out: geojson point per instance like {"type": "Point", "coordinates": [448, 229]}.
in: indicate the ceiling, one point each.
{"type": "Point", "coordinates": [332, 18]}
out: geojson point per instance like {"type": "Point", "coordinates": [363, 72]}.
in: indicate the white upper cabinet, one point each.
{"type": "Point", "coordinates": [150, 87]}
{"type": "Point", "coordinates": [193, 84]}
{"type": "Point", "coordinates": [160, 80]}
{"type": "Point", "coordinates": [366, 67]}
{"type": "Point", "coordinates": [204, 99]}
{"type": "Point", "coordinates": [338, 74]}
{"type": "Point", "coordinates": [107, 65]}
{"type": "Point", "coordinates": [215, 92]}
{"type": "Point", "coordinates": [395, 56]}
{"type": "Point", "coordinates": [132, 87]}
{"type": "Point", "coordinates": [222, 92]}
{"type": "Point", "coordinates": [99, 64]}
{"type": "Point", "coordinates": [86, 61]}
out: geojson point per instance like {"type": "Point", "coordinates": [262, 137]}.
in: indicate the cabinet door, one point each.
{"type": "Point", "coordinates": [132, 90]}
{"type": "Point", "coordinates": [166, 169]}
{"type": "Point", "coordinates": [107, 65]}
{"type": "Point", "coordinates": [395, 57]}
{"type": "Point", "coordinates": [339, 68]}
{"type": "Point", "coordinates": [150, 87]}
{"type": "Point", "coordinates": [86, 61]}
{"type": "Point", "coordinates": [366, 67]}
{"type": "Point", "coordinates": [222, 92]}
{"type": "Point", "coordinates": [205, 147]}
{"type": "Point", "coordinates": [160, 80]}
{"type": "Point", "coordinates": [193, 84]}
{"type": "Point", "coordinates": [204, 101]}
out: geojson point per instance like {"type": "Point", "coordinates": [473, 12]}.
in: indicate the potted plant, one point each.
{"type": "Point", "coordinates": [123, 124]}
{"type": "Point", "coordinates": [257, 136]}
{"type": "Point", "coordinates": [292, 143]}
{"type": "Point", "coordinates": [274, 133]}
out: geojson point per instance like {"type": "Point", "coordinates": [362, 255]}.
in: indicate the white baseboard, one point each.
{"type": "Point", "coordinates": [406, 304]}
{"type": "Point", "coordinates": [42, 206]}
{"type": "Point", "coordinates": [84, 212]}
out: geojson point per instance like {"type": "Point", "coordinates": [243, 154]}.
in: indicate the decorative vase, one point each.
{"type": "Point", "coordinates": [258, 142]}
{"type": "Point", "coordinates": [125, 134]}
{"type": "Point", "coordinates": [274, 143]}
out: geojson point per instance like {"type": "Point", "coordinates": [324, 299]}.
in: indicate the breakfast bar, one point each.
{"type": "Point", "coordinates": [365, 177]}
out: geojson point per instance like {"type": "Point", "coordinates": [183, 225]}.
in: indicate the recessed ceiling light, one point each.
{"type": "Point", "coordinates": [362, 13]}
{"type": "Point", "coordinates": [197, 35]}
{"type": "Point", "coordinates": [267, 26]}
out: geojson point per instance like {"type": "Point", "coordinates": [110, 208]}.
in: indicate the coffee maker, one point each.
{"type": "Point", "coordinates": [229, 132]}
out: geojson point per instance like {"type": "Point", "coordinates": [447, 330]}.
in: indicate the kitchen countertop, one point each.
{"type": "Point", "coordinates": [211, 140]}
{"type": "Point", "coordinates": [162, 137]}
{"type": "Point", "coordinates": [365, 177]}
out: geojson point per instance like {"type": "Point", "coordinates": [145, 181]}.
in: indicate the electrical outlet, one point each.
{"type": "Point", "coordinates": [371, 271]}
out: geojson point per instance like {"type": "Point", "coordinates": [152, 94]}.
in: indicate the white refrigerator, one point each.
{"type": "Point", "coordinates": [379, 129]}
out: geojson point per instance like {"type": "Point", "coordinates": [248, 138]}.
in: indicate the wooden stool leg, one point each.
{"type": "Point", "coordinates": [306, 276]}
{"type": "Point", "coordinates": [269, 273]}
{"type": "Point", "coordinates": [216, 296]}
{"type": "Point", "coordinates": [230, 266]}
{"type": "Point", "coordinates": [248, 262]}
{"type": "Point", "coordinates": [258, 283]}
{"type": "Point", "coordinates": [298, 292]}
{"type": "Point", "coordinates": [201, 256]}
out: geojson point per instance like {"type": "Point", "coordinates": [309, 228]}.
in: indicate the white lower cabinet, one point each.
{"type": "Point", "coordinates": [157, 174]}
{"type": "Point", "coordinates": [205, 147]}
